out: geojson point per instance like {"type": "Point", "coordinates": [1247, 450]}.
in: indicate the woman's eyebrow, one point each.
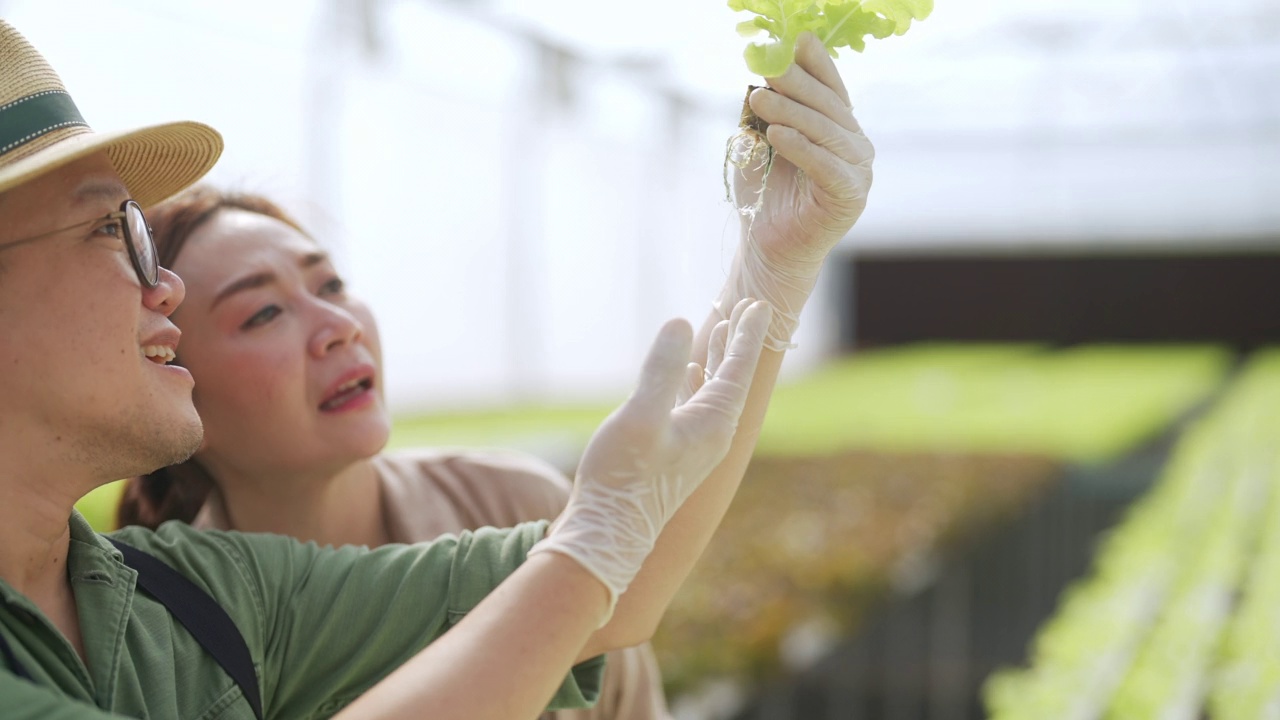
{"type": "Point", "coordinates": [247, 282]}
{"type": "Point", "coordinates": [257, 280]}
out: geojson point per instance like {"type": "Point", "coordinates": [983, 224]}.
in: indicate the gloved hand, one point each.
{"type": "Point", "coordinates": [655, 450]}
{"type": "Point", "coordinates": [816, 189]}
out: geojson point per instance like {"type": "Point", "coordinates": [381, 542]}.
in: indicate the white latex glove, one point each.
{"type": "Point", "coordinates": [655, 450]}
{"type": "Point", "coordinates": [815, 190]}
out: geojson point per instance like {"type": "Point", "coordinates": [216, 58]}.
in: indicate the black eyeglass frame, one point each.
{"type": "Point", "coordinates": [148, 276]}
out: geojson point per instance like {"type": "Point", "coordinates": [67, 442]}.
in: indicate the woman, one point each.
{"type": "Point", "coordinates": [287, 366]}
{"type": "Point", "coordinates": [299, 455]}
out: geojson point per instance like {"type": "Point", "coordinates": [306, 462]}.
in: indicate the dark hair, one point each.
{"type": "Point", "coordinates": [178, 491]}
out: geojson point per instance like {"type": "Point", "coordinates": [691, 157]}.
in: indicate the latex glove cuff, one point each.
{"type": "Point", "coordinates": [609, 531]}
{"type": "Point", "coordinates": [785, 287]}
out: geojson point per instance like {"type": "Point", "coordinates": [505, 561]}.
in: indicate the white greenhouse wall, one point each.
{"type": "Point", "coordinates": [524, 192]}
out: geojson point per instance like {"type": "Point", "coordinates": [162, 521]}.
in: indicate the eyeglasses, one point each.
{"type": "Point", "coordinates": [137, 238]}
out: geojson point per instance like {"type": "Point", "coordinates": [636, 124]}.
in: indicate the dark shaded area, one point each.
{"type": "Point", "coordinates": [925, 656]}
{"type": "Point", "coordinates": [1232, 299]}
{"type": "Point", "coordinates": [820, 541]}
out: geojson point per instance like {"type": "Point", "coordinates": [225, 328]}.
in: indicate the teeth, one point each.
{"type": "Point", "coordinates": [340, 393]}
{"type": "Point", "coordinates": [164, 352]}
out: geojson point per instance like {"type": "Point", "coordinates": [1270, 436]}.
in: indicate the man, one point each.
{"type": "Point", "coordinates": [261, 626]}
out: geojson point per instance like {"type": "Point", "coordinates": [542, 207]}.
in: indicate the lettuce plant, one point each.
{"type": "Point", "coordinates": [837, 23]}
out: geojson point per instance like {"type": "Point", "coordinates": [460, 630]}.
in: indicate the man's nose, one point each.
{"type": "Point", "coordinates": [167, 295]}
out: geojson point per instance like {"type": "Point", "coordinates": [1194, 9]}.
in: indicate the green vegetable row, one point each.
{"type": "Point", "coordinates": [1179, 614]}
{"type": "Point", "coordinates": [1085, 404]}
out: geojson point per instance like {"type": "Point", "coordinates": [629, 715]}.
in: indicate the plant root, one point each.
{"type": "Point", "coordinates": [748, 149]}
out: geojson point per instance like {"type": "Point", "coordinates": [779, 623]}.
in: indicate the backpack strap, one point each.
{"type": "Point", "coordinates": [201, 615]}
{"type": "Point", "coordinates": [16, 667]}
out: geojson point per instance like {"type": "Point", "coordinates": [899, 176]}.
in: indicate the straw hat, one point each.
{"type": "Point", "coordinates": [41, 130]}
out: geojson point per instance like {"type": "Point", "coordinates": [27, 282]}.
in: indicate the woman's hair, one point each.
{"type": "Point", "coordinates": [177, 492]}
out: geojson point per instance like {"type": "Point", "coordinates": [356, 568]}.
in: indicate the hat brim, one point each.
{"type": "Point", "coordinates": [155, 162]}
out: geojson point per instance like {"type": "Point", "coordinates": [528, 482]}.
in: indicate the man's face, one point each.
{"type": "Point", "coordinates": [77, 392]}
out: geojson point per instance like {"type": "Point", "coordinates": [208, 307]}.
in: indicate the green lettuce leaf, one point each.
{"type": "Point", "coordinates": [837, 23]}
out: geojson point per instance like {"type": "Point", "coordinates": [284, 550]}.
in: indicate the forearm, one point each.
{"type": "Point", "coordinates": [506, 658]}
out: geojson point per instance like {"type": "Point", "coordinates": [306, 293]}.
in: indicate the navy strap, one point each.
{"type": "Point", "coordinates": [201, 615]}
{"type": "Point", "coordinates": [18, 668]}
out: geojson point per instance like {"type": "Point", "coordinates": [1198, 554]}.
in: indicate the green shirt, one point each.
{"type": "Point", "coordinates": [322, 625]}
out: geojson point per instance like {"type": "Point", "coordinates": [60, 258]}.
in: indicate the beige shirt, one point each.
{"type": "Point", "coordinates": [427, 493]}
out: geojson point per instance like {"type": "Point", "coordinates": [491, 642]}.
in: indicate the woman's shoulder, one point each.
{"type": "Point", "coordinates": [439, 490]}
{"type": "Point", "coordinates": [473, 465]}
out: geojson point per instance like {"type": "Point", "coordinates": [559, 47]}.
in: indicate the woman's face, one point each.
{"type": "Point", "coordinates": [287, 365]}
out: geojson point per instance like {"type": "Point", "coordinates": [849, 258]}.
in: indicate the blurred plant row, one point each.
{"type": "Point", "coordinates": [1179, 616]}
{"type": "Point", "coordinates": [876, 471]}
{"type": "Point", "coordinates": [1089, 403]}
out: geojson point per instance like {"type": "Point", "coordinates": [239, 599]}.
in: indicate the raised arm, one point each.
{"type": "Point", "coordinates": [508, 656]}
{"type": "Point", "coordinates": [816, 189]}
